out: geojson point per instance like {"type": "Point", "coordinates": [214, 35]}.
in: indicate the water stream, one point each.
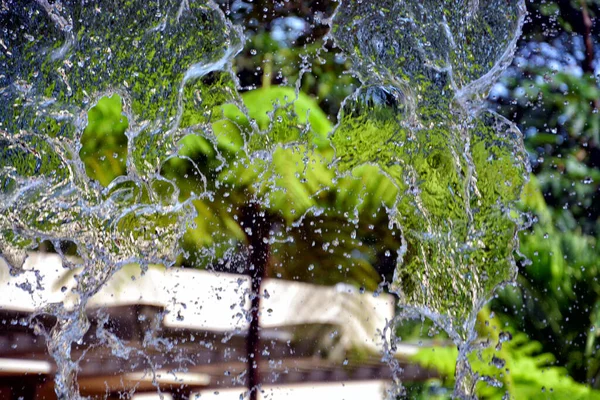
{"type": "Point", "coordinates": [419, 117]}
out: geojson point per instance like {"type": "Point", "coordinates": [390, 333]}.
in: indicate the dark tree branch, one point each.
{"type": "Point", "coordinates": [582, 24]}
{"type": "Point", "coordinates": [588, 65]}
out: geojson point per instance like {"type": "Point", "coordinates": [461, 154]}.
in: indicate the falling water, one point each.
{"type": "Point", "coordinates": [419, 116]}
{"type": "Point", "coordinates": [57, 61]}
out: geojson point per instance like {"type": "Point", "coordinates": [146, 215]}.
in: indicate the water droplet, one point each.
{"type": "Point", "coordinates": [491, 381]}
{"type": "Point", "coordinates": [498, 362]}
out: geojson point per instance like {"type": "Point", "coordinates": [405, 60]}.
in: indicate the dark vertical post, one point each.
{"type": "Point", "coordinates": [23, 388]}
{"type": "Point", "coordinates": [182, 393]}
{"type": "Point", "coordinates": [256, 227]}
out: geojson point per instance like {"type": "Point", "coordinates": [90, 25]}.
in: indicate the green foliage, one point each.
{"type": "Point", "coordinates": [104, 145]}
{"type": "Point", "coordinates": [296, 184]}
{"type": "Point", "coordinates": [562, 271]}
{"type": "Point", "coordinates": [321, 68]}
{"type": "Point", "coordinates": [516, 367]}
{"type": "Point", "coordinates": [298, 188]}
{"type": "Point", "coordinates": [530, 375]}
{"type": "Point", "coordinates": [558, 289]}
{"type": "Point", "coordinates": [454, 204]}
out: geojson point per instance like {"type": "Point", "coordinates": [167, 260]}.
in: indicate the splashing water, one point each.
{"type": "Point", "coordinates": [57, 61]}
{"type": "Point", "coordinates": [419, 117]}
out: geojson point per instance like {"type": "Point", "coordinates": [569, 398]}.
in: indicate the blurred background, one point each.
{"type": "Point", "coordinates": [547, 325]}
